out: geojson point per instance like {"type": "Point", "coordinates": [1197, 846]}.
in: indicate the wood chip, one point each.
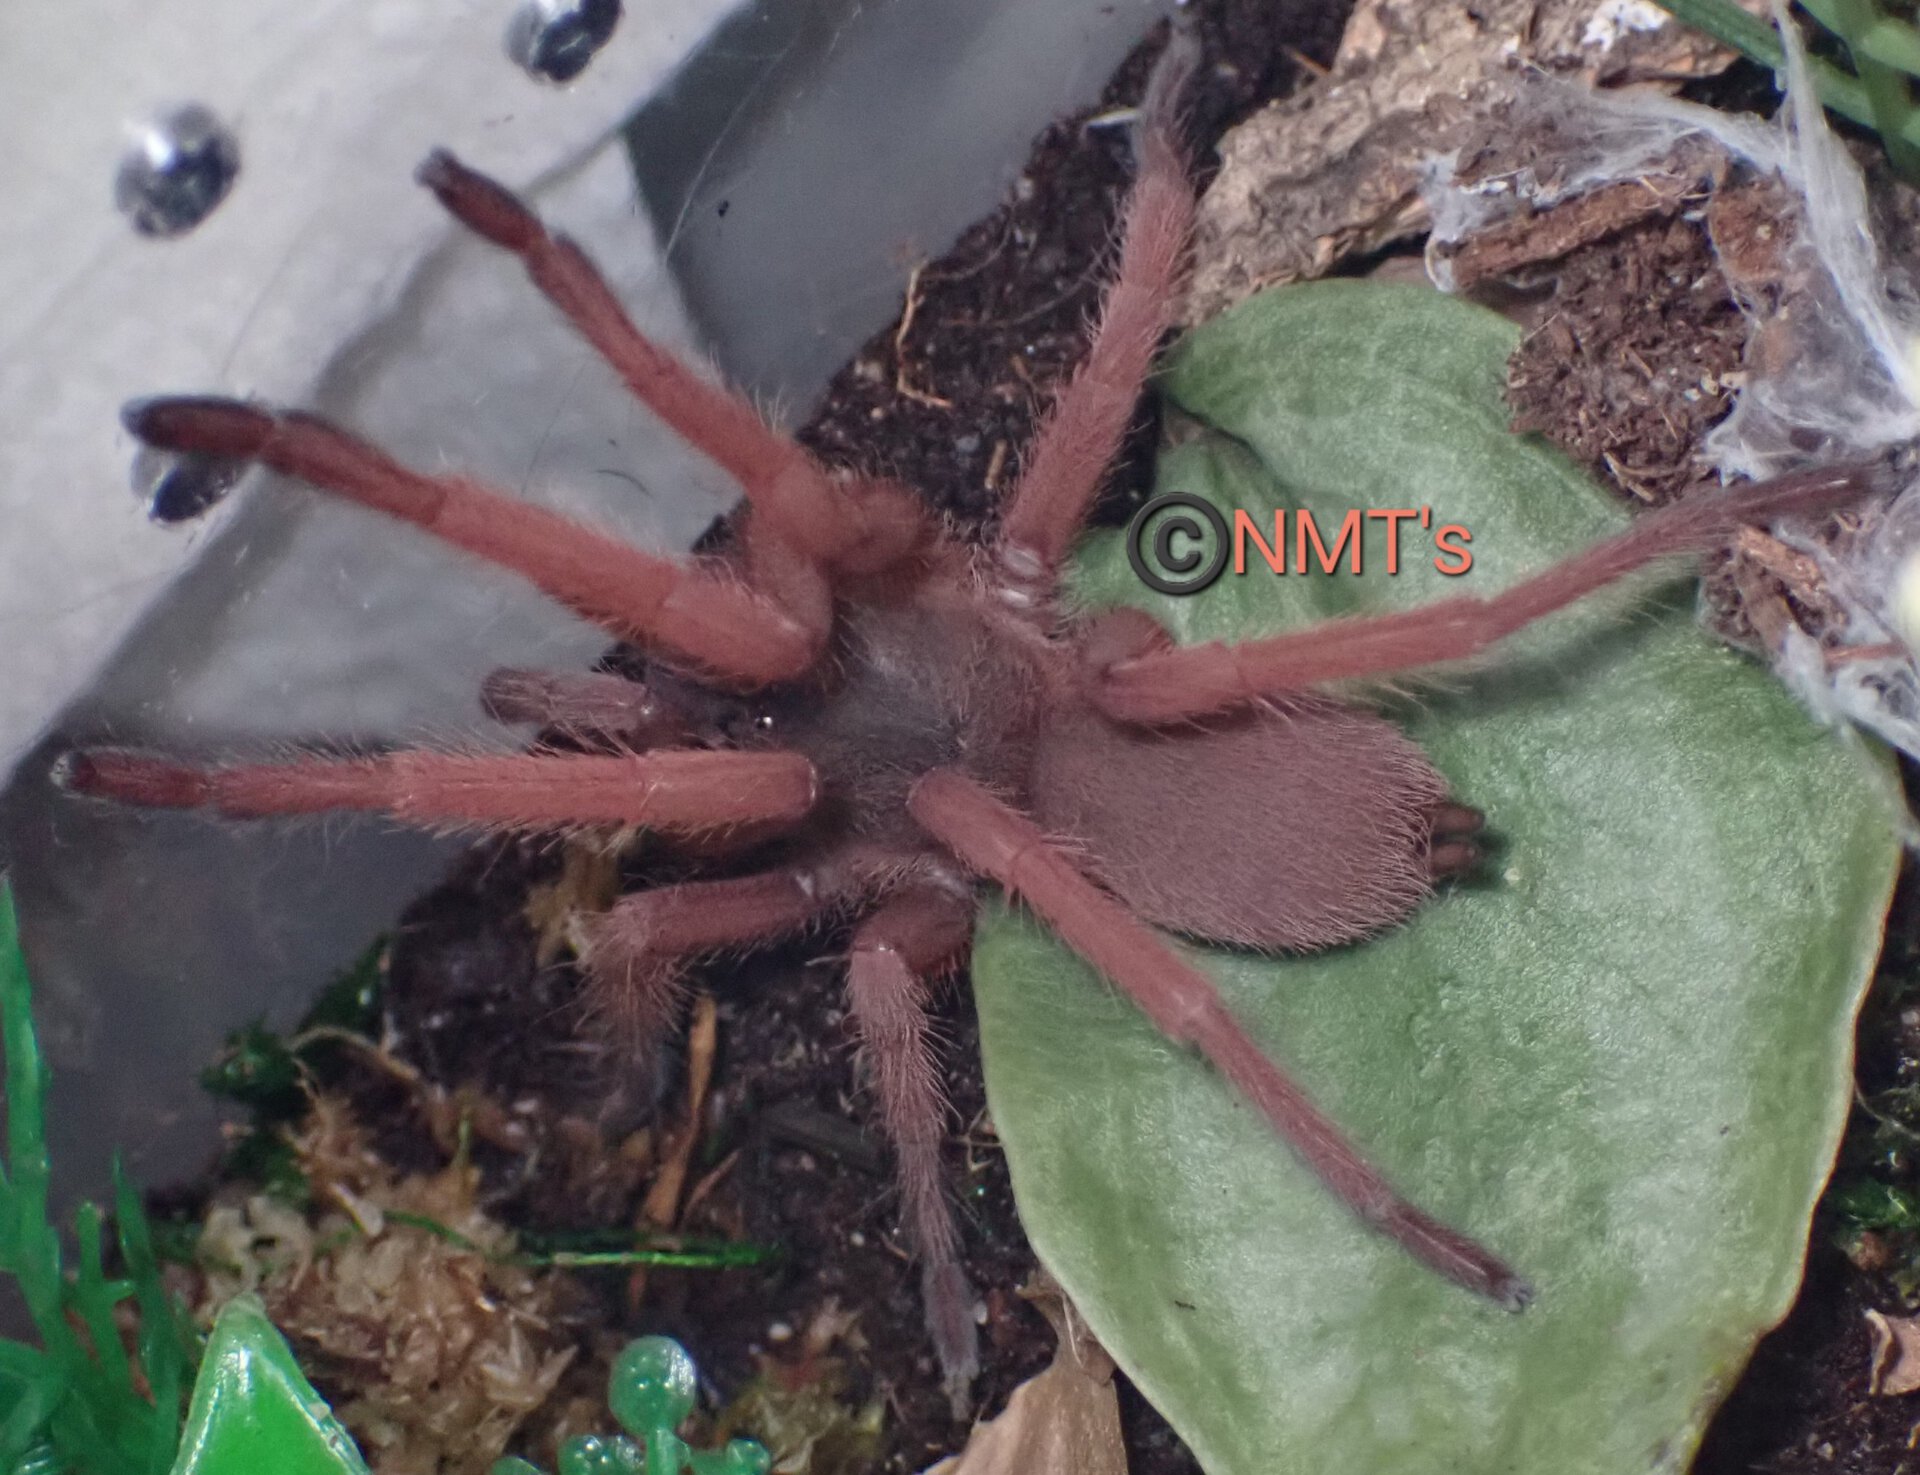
{"type": "Point", "coordinates": [1529, 240]}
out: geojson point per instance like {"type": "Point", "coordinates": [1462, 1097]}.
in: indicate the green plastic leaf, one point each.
{"type": "Point", "coordinates": [1622, 1059]}
{"type": "Point", "coordinates": [253, 1409]}
{"type": "Point", "coordinates": [76, 1402]}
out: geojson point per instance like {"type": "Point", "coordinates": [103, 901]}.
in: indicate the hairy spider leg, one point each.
{"type": "Point", "coordinates": [636, 948]}
{"type": "Point", "coordinates": [708, 617]}
{"type": "Point", "coordinates": [1196, 681]}
{"type": "Point", "coordinates": [998, 841]}
{"type": "Point", "coordinates": [785, 574]}
{"type": "Point", "coordinates": [919, 931]}
{"type": "Point", "coordinates": [634, 955]}
{"type": "Point", "coordinates": [587, 707]}
{"type": "Point", "coordinates": [689, 791]}
{"type": "Point", "coordinates": [860, 525]}
{"type": "Point", "coordinates": [1082, 434]}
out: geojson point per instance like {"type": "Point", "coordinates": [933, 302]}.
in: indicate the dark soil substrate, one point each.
{"type": "Point", "coordinates": [796, 1161]}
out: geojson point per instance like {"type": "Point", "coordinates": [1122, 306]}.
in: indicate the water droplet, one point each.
{"type": "Point", "coordinates": [555, 39]}
{"type": "Point", "coordinates": [178, 488]}
{"type": "Point", "coordinates": [179, 168]}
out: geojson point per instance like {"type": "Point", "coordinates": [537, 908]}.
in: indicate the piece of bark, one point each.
{"type": "Point", "coordinates": [1334, 169]}
{"type": "Point", "coordinates": [1531, 240]}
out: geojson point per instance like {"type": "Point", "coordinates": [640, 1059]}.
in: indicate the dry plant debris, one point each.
{"type": "Point", "coordinates": [434, 1349]}
{"type": "Point", "coordinates": [1334, 170]}
{"type": "Point", "coordinates": [588, 883]}
{"type": "Point", "coordinates": [665, 1200]}
{"type": "Point", "coordinates": [1895, 1356]}
{"type": "Point", "coordinates": [1063, 1421]}
{"type": "Point", "coordinates": [800, 1407]}
{"type": "Point", "coordinates": [1670, 274]}
{"type": "Point", "coordinates": [1636, 338]}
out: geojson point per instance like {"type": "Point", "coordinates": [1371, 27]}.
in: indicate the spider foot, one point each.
{"type": "Point", "coordinates": [948, 1298]}
{"type": "Point", "coordinates": [1451, 850]}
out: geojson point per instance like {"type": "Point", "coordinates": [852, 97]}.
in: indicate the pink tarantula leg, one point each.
{"type": "Point", "coordinates": [861, 525]}
{"type": "Point", "coordinates": [636, 949]}
{"type": "Point", "coordinates": [1000, 842]}
{"type": "Point", "coordinates": [592, 707]}
{"type": "Point", "coordinates": [1194, 681]}
{"type": "Point", "coordinates": [683, 791]}
{"type": "Point", "coordinates": [634, 955]}
{"type": "Point", "coordinates": [709, 618]}
{"type": "Point", "coordinates": [918, 931]}
{"type": "Point", "coordinates": [1083, 433]}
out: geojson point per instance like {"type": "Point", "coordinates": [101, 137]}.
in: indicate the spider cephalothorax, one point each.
{"type": "Point", "coordinates": [882, 714]}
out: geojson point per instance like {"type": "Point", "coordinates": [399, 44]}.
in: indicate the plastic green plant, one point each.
{"type": "Point", "coordinates": [1621, 1055]}
{"type": "Point", "coordinates": [1884, 48]}
{"type": "Point", "coordinates": [650, 1391]}
{"type": "Point", "coordinates": [76, 1405]}
{"type": "Point", "coordinates": [78, 1402]}
{"type": "Point", "coordinates": [605, 1250]}
{"type": "Point", "coordinates": [254, 1410]}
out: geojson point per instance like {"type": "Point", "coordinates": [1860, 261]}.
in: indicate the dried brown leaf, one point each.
{"type": "Point", "coordinates": [1065, 1421]}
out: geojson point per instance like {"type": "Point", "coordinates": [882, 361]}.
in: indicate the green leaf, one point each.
{"type": "Point", "coordinates": [74, 1404]}
{"type": "Point", "coordinates": [169, 1348]}
{"type": "Point", "coordinates": [352, 1000]}
{"type": "Point", "coordinates": [1622, 1059]}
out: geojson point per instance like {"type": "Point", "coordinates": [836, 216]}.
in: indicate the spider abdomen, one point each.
{"type": "Point", "coordinates": [1293, 827]}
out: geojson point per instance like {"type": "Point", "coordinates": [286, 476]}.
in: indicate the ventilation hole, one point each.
{"type": "Point", "coordinates": [178, 170]}
{"type": "Point", "coordinates": [555, 39]}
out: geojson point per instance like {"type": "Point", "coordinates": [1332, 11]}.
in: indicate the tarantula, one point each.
{"type": "Point", "coordinates": [887, 714]}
